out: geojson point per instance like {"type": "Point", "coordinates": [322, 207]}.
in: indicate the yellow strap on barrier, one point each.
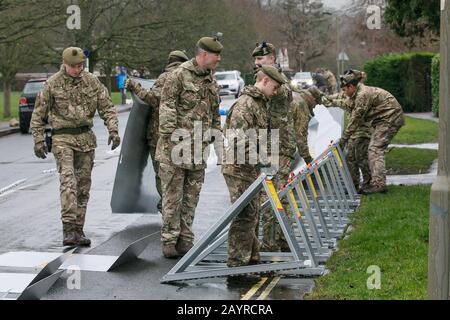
{"type": "Point", "coordinates": [294, 202]}
{"type": "Point", "coordinates": [319, 179]}
{"type": "Point", "coordinates": [312, 186]}
{"type": "Point", "coordinates": [304, 197]}
{"type": "Point", "coordinates": [338, 157]}
{"type": "Point", "coordinates": [274, 195]}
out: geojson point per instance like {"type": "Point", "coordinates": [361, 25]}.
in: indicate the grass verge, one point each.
{"type": "Point", "coordinates": [391, 232]}
{"type": "Point", "coordinates": [117, 97]}
{"type": "Point", "coordinates": [409, 160]}
{"type": "Point", "coordinates": [14, 106]}
{"type": "Point", "coordinates": [417, 131]}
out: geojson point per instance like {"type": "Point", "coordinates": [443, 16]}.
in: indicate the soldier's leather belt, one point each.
{"type": "Point", "coordinates": [71, 130]}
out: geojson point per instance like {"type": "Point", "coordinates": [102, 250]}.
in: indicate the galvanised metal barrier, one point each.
{"type": "Point", "coordinates": [320, 199]}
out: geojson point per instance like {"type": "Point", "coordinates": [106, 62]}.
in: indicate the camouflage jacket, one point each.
{"type": "Point", "coordinates": [331, 79]}
{"type": "Point", "coordinates": [71, 103]}
{"type": "Point", "coordinates": [248, 112]}
{"type": "Point", "coordinates": [301, 114]}
{"type": "Point", "coordinates": [372, 105]}
{"type": "Point", "coordinates": [190, 95]}
{"type": "Point", "coordinates": [280, 117]}
{"type": "Point", "coordinates": [152, 98]}
{"type": "Point", "coordinates": [342, 101]}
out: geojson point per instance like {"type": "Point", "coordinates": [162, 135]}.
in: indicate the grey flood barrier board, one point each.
{"type": "Point", "coordinates": [82, 262]}
{"type": "Point", "coordinates": [134, 188]}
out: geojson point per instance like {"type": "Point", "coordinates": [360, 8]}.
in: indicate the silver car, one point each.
{"type": "Point", "coordinates": [302, 80]}
{"type": "Point", "coordinates": [230, 82]}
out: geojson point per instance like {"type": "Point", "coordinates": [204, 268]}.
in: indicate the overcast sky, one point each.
{"type": "Point", "coordinates": [336, 3]}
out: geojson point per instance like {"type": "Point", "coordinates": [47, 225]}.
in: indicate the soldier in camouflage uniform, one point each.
{"type": "Point", "coordinates": [248, 112]}
{"type": "Point", "coordinates": [331, 80]}
{"type": "Point", "coordinates": [190, 94]}
{"type": "Point", "coordinates": [304, 102]}
{"type": "Point", "coordinates": [357, 148]}
{"type": "Point", "coordinates": [379, 108]}
{"type": "Point", "coordinates": [280, 118]}
{"type": "Point", "coordinates": [153, 97]}
{"type": "Point", "coordinates": [69, 100]}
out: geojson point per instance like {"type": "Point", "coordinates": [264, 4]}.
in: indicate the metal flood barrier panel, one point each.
{"type": "Point", "coordinates": [82, 262]}
{"type": "Point", "coordinates": [134, 188]}
{"type": "Point", "coordinates": [320, 199]}
{"type": "Point", "coordinates": [33, 286]}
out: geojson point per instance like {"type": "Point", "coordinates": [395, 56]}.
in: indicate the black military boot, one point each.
{"type": "Point", "coordinates": [374, 189]}
{"type": "Point", "coordinates": [70, 237]}
{"type": "Point", "coordinates": [243, 279]}
{"type": "Point", "coordinates": [82, 240]}
{"type": "Point", "coordinates": [159, 207]}
{"type": "Point", "coordinates": [169, 251]}
{"type": "Point", "coordinates": [183, 246]}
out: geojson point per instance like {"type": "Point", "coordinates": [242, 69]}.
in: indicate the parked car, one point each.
{"type": "Point", "coordinates": [302, 80]}
{"type": "Point", "coordinates": [26, 102]}
{"type": "Point", "coordinates": [230, 82]}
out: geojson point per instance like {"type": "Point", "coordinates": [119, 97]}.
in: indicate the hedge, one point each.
{"type": "Point", "coordinates": [406, 76]}
{"type": "Point", "coordinates": [435, 67]}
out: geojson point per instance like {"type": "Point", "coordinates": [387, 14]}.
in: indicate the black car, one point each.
{"type": "Point", "coordinates": [26, 102]}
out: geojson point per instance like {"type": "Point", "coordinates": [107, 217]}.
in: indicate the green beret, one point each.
{"type": "Point", "coordinates": [273, 73]}
{"type": "Point", "coordinates": [73, 56]}
{"type": "Point", "coordinates": [349, 77]}
{"type": "Point", "coordinates": [209, 44]}
{"type": "Point", "coordinates": [179, 54]}
{"type": "Point", "coordinates": [263, 49]}
{"type": "Point", "coordinates": [360, 75]}
{"type": "Point", "coordinates": [315, 92]}
{"type": "Point", "coordinates": [310, 100]}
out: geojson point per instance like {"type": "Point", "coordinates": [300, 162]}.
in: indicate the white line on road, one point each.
{"type": "Point", "coordinates": [49, 171]}
{"type": "Point", "coordinates": [11, 186]}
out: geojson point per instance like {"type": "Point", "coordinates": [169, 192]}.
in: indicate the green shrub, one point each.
{"type": "Point", "coordinates": [435, 67]}
{"type": "Point", "coordinates": [406, 76]}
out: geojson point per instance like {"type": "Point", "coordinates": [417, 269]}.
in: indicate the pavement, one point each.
{"type": "Point", "coordinates": [423, 116]}
{"type": "Point", "coordinates": [5, 129]}
{"type": "Point", "coordinates": [415, 179]}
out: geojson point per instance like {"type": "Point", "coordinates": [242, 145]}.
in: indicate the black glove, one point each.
{"type": "Point", "coordinates": [115, 139]}
{"type": "Point", "coordinates": [308, 159]}
{"type": "Point", "coordinates": [40, 150]}
{"type": "Point", "coordinates": [342, 144]}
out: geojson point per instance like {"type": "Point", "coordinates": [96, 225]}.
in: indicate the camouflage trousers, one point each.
{"type": "Point", "coordinates": [156, 168]}
{"type": "Point", "coordinates": [383, 134]}
{"type": "Point", "coordinates": [243, 243]}
{"type": "Point", "coordinates": [357, 153]}
{"type": "Point", "coordinates": [273, 237]}
{"type": "Point", "coordinates": [74, 169]}
{"type": "Point", "coordinates": [180, 194]}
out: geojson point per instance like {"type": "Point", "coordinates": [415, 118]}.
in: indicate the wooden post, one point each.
{"type": "Point", "coordinates": [439, 239]}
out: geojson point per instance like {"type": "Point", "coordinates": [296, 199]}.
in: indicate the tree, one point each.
{"type": "Point", "coordinates": [16, 56]}
{"type": "Point", "coordinates": [413, 18]}
{"type": "Point", "coordinates": [22, 23]}
{"type": "Point", "coordinates": [133, 33]}
{"type": "Point", "coordinates": [20, 19]}
{"type": "Point", "coordinates": [306, 28]}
